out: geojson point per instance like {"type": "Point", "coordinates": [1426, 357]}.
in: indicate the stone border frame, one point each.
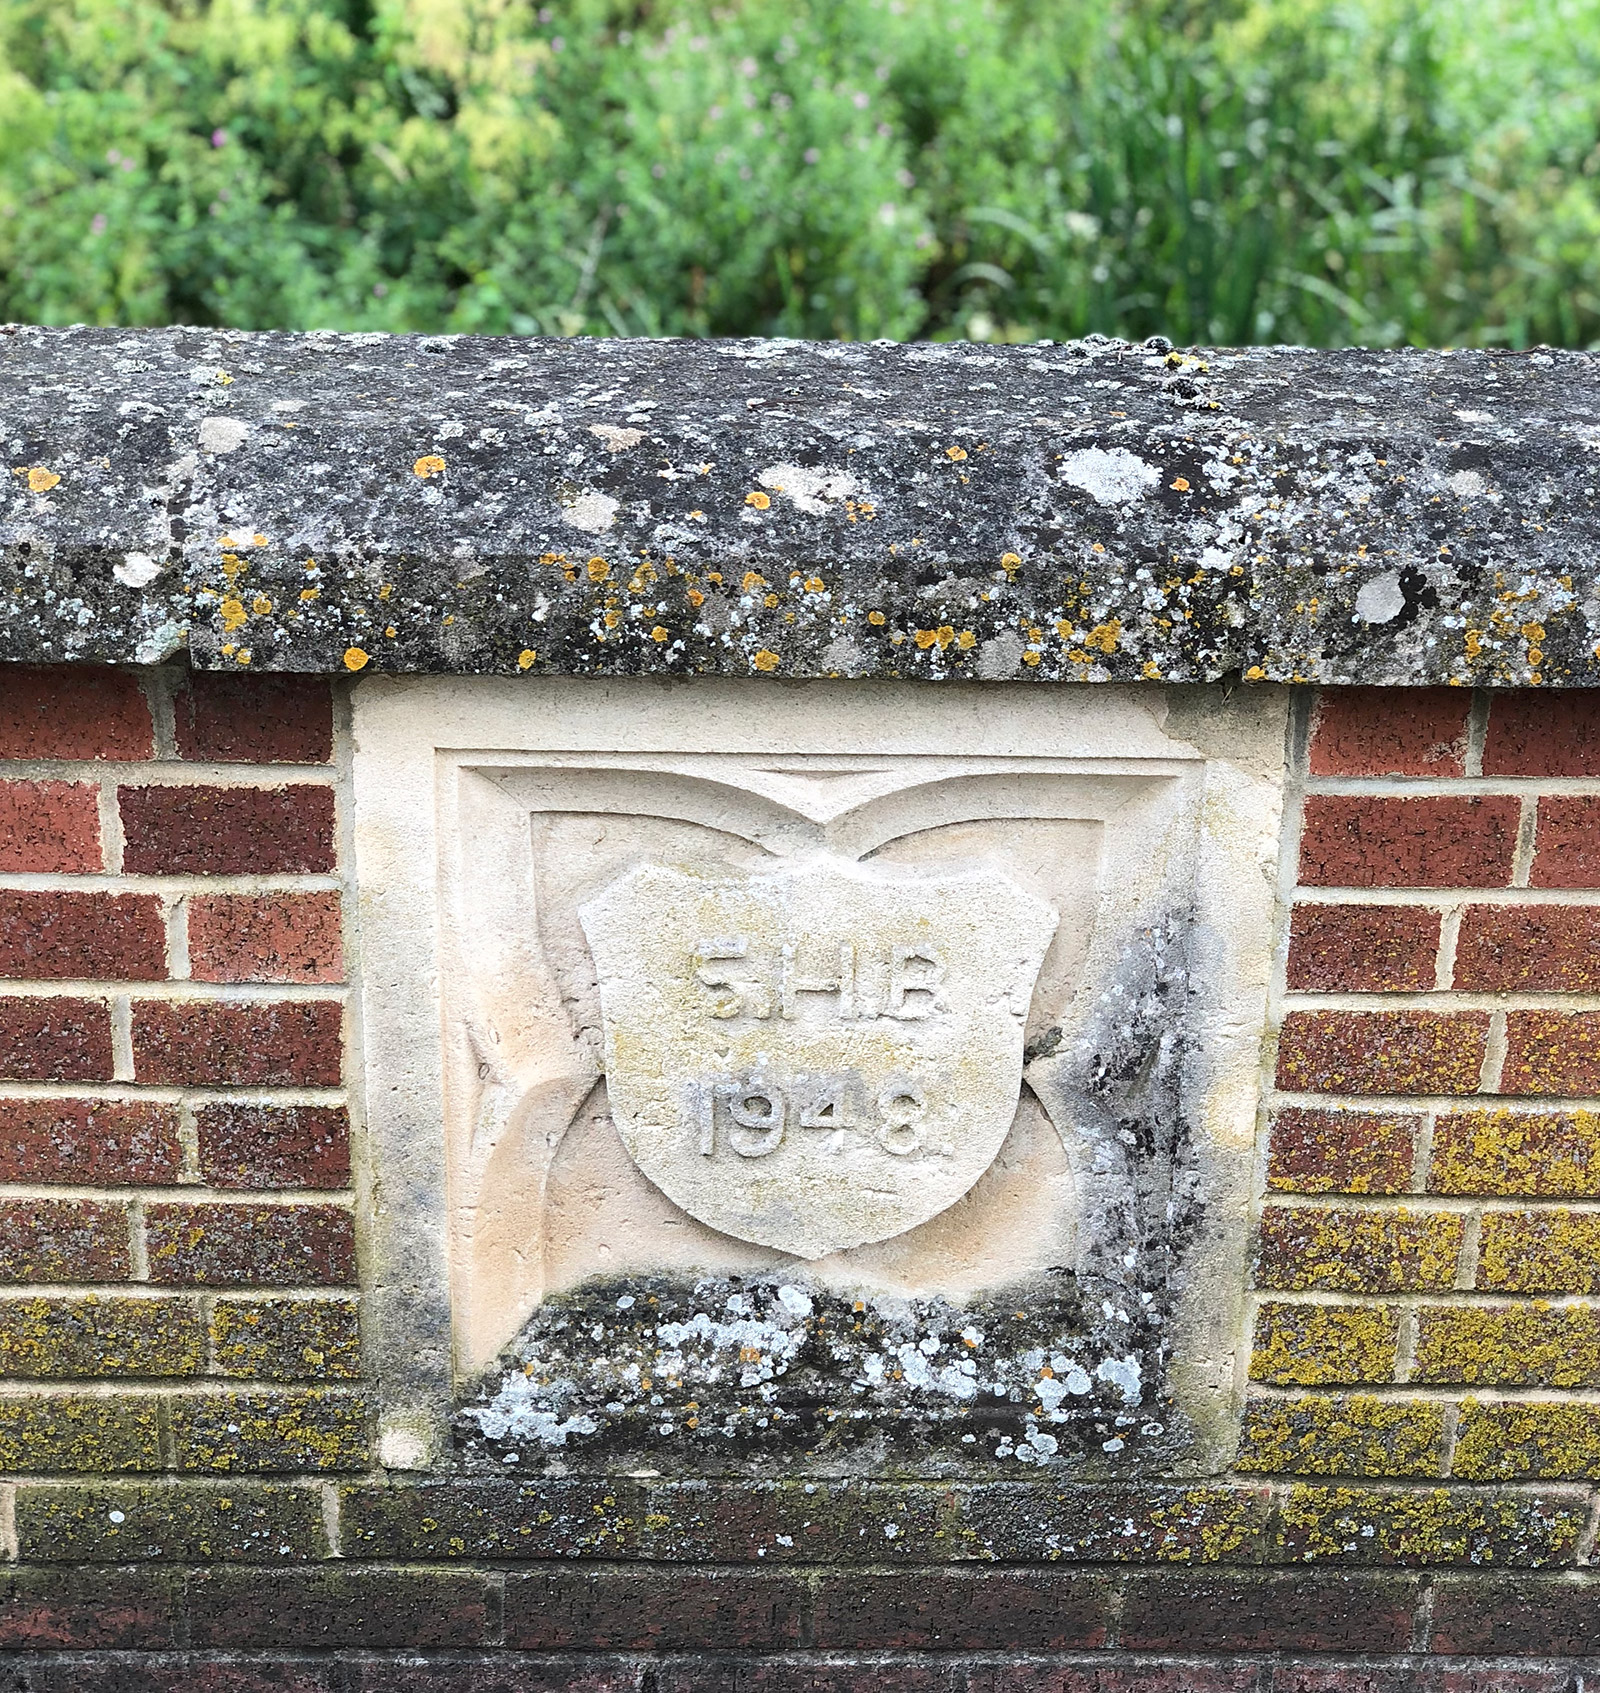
{"type": "Point", "coordinates": [405, 732]}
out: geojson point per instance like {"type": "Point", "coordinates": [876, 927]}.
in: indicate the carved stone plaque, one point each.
{"type": "Point", "coordinates": [818, 1055]}
{"type": "Point", "coordinates": [835, 1076]}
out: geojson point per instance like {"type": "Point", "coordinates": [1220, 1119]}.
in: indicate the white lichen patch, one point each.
{"type": "Point", "coordinates": [591, 511]}
{"type": "Point", "coordinates": [1113, 475]}
{"type": "Point", "coordinates": [815, 489]}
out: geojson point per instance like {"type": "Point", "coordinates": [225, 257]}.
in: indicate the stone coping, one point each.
{"type": "Point", "coordinates": [1088, 511]}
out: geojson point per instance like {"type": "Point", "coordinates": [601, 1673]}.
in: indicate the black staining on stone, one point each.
{"type": "Point", "coordinates": [1064, 1372]}
{"type": "Point", "coordinates": [1093, 511]}
{"type": "Point", "coordinates": [731, 1375]}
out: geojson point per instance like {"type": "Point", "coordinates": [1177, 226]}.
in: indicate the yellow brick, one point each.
{"type": "Point", "coordinates": [1324, 1345]}
{"type": "Point", "coordinates": [1510, 1442]}
{"type": "Point", "coordinates": [1540, 1252]}
{"type": "Point", "coordinates": [1351, 1250]}
{"type": "Point", "coordinates": [1428, 1525]}
{"type": "Point", "coordinates": [1540, 1154]}
{"type": "Point", "coordinates": [1361, 1435]}
{"type": "Point", "coordinates": [1531, 1345]}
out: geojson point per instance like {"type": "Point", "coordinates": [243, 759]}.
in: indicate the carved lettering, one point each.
{"type": "Point", "coordinates": [904, 983]}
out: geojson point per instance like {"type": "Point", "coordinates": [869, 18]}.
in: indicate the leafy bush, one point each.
{"type": "Point", "coordinates": [1324, 171]}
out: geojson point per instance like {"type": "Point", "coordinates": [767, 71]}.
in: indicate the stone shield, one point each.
{"type": "Point", "coordinates": [817, 1055]}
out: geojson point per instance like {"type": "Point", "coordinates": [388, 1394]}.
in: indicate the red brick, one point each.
{"type": "Point", "coordinates": [1566, 845]}
{"type": "Point", "coordinates": [1544, 734]}
{"type": "Point", "coordinates": [1390, 732]}
{"type": "Point", "coordinates": [55, 1039]}
{"type": "Point", "coordinates": [1365, 1052]}
{"type": "Point", "coordinates": [313, 1609]}
{"type": "Point", "coordinates": [58, 936]}
{"type": "Point", "coordinates": [1362, 948]}
{"type": "Point", "coordinates": [49, 827]}
{"type": "Point", "coordinates": [1354, 1251]}
{"type": "Point", "coordinates": [1522, 1615]}
{"type": "Point", "coordinates": [1377, 841]}
{"type": "Point", "coordinates": [236, 719]}
{"type": "Point", "coordinates": [977, 1610]}
{"type": "Point", "coordinates": [1341, 1152]}
{"type": "Point", "coordinates": [237, 1043]}
{"type": "Point", "coordinates": [275, 1146]}
{"type": "Point", "coordinates": [63, 1240]}
{"type": "Point", "coordinates": [1551, 1052]}
{"type": "Point", "coordinates": [117, 1609]}
{"type": "Point", "coordinates": [265, 938]}
{"type": "Point", "coordinates": [654, 1609]}
{"type": "Point", "coordinates": [1528, 948]}
{"type": "Point", "coordinates": [1142, 1675]}
{"type": "Point", "coordinates": [227, 831]}
{"type": "Point", "coordinates": [1434, 1678]}
{"type": "Point", "coordinates": [72, 711]}
{"type": "Point", "coordinates": [250, 1245]}
{"type": "Point", "coordinates": [1262, 1612]}
{"type": "Point", "coordinates": [88, 1141]}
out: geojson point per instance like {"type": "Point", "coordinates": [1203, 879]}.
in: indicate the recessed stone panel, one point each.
{"type": "Point", "coordinates": [838, 1077]}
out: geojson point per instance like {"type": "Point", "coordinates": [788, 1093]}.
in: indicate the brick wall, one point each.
{"type": "Point", "coordinates": [186, 1495]}
{"type": "Point", "coordinates": [1429, 1246]}
{"type": "Point", "coordinates": [177, 1244]}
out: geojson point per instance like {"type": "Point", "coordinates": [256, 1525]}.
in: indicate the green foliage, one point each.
{"type": "Point", "coordinates": [1323, 171]}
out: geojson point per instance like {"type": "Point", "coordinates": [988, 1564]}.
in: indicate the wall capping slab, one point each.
{"type": "Point", "coordinates": [1093, 511]}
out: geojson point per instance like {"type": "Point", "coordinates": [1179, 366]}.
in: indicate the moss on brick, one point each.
{"type": "Point", "coordinates": [1534, 1344]}
{"type": "Point", "coordinates": [1509, 1442]}
{"type": "Point", "coordinates": [1552, 1154]}
{"type": "Point", "coordinates": [41, 1432]}
{"type": "Point", "coordinates": [1434, 1525]}
{"type": "Point", "coordinates": [1357, 1436]}
{"type": "Point", "coordinates": [193, 1522]}
{"type": "Point", "coordinates": [286, 1339]}
{"type": "Point", "coordinates": [1324, 1345]}
{"type": "Point", "coordinates": [297, 1428]}
{"type": "Point", "coordinates": [99, 1335]}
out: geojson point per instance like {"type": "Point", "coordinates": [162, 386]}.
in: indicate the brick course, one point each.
{"type": "Point", "coordinates": [215, 831]}
{"type": "Point", "coordinates": [1528, 949]}
{"type": "Point", "coordinates": [228, 1245]}
{"type": "Point", "coordinates": [1362, 948]}
{"type": "Point", "coordinates": [265, 938]}
{"type": "Point", "coordinates": [244, 1043]}
{"type": "Point", "coordinates": [1567, 842]}
{"type": "Point", "coordinates": [1301, 1248]}
{"type": "Point", "coordinates": [63, 1240]}
{"type": "Point", "coordinates": [73, 711]}
{"type": "Point", "coordinates": [274, 1146]}
{"type": "Point", "coordinates": [1372, 732]}
{"type": "Point", "coordinates": [55, 1039]}
{"type": "Point", "coordinates": [1377, 1052]}
{"type": "Point", "coordinates": [82, 936]}
{"type": "Point", "coordinates": [1341, 1152]}
{"type": "Point", "coordinates": [101, 1142]}
{"type": "Point", "coordinates": [1544, 734]}
{"type": "Point", "coordinates": [1552, 1052]}
{"type": "Point", "coordinates": [1374, 841]}
{"type": "Point", "coordinates": [49, 827]}
{"type": "Point", "coordinates": [253, 719]}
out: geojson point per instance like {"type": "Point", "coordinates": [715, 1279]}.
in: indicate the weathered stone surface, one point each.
{"type": "Point", "coordinates": [817, 1055]}
{"type": "Point", "coordinates": [1090, 511]}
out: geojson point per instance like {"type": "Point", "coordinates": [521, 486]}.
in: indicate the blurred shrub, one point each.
{"type": "Point", "coordinates": [1324, 171]}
